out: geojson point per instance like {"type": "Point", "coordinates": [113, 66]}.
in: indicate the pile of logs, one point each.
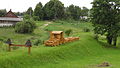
{"type": "Point", "coordinates": [56, 38]}
{"type": "Point", "coordinates": [52, 42]}
{"type": "Point", "coordinates": [70, 39]}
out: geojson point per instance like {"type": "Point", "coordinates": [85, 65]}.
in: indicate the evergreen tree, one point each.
{"type": "Point", "coordinates": [30, 11]}
{"type": "Point", "coordinates": [73, 12]}
{"type": "Point", "coordinates": [38, 12]}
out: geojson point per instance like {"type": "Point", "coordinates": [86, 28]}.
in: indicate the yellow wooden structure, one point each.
{"type": "Point", "coordinates": [57, 38]}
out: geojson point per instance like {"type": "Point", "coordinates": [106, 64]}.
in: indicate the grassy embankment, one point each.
{"type": "Point", "coordinates": [85, 53]}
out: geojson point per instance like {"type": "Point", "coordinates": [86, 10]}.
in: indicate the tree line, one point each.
{"type": "Point", "coordinates": [52, 10]}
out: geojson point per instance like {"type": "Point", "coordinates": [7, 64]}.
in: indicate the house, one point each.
{"type": "Point", "coordinates": [9, 19]}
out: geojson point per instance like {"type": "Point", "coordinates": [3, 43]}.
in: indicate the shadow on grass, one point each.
{"type": "Point", "coordinates": [106, 45]}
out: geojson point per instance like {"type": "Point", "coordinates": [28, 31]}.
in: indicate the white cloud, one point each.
{"type": "Point", "coordinates": [23, 5]}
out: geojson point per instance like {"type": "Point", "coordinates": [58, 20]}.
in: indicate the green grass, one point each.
{"type": "Point", "coordinates": [85, 53]}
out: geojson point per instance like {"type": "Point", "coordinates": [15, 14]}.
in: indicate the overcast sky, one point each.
{"type": "Point", "coordinates": [23, 5]}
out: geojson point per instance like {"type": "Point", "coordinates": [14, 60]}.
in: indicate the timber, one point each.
{"type": "Point", "coordinates": [57, 38]}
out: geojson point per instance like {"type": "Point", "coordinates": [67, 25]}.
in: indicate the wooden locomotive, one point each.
{"type": "Point", "coordinates": [57, 38]}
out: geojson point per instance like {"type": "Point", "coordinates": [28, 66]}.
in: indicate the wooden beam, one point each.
{"type": "Point", "coordinates": [29, 47]}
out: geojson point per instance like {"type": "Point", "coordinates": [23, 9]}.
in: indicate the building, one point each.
{"type": "Point", "coordinates": [9, 19]}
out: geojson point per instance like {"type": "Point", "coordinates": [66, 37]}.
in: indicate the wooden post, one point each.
{"type": "Point", "coordinates": [9, 47]}
{"type": "Point", "coordinates": [29, 50]}
{"type": "Point", "coordinates": [28, 44]}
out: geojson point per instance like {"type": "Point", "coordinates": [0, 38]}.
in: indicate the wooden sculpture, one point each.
{"type": "Point", "coordinates": [57, 38]}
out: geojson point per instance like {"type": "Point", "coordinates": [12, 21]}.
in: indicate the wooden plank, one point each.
{"type": "Point", "coordinates": [19, 45]}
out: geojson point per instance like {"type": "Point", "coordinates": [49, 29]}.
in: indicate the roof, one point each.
{"type": "Point", "coordinates": [10, 14]}
{"type": "Point", "coordinates": [57, 32]}
{"type": "Point", "coordinates": [10, 19]}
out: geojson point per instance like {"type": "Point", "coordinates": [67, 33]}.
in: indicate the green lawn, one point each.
{"type": "Point", "coordinates": [85, 53]}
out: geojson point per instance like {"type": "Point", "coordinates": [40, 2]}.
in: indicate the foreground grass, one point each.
{"type": "Point", "coordinates": [85, 53]}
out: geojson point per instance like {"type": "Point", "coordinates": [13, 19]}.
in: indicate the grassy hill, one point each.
{"type": "Point", "coordinates": [85, 53]}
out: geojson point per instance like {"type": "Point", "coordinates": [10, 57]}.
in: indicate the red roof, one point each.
{"type": "Point", "coordinates": [10, 14]}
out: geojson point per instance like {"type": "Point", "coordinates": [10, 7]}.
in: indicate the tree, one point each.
{"type": "Point", "coordinates": [84, 11]}
{"type": "Point", "coordinates": [38, 11]}
{"type": "Point", "coordinates": [26, 26]}
{"type": "Point", "coordinates": [30, 11]}
{"type": "Point", "coordinates": [106, 19]}
{"type": "Point", "coordinates": [27, 17]}
{"type": "Point", "coordinates": [3, 12]}
{"type": "Point", "coordinates": [70, 10]}
{"type": "Point", "coordinates": [77, 13]}
{"type": "Point", "coordinates": [19, 13]}
{"type": "Point", "coordinates": [54, 9]}
{"type": "Point", "coordinates": [73, 12]}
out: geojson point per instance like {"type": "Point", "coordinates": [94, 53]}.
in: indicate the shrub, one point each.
{"type": "Point", "coordinates": [68, 32]}
{"type": "Point", "coordinates": [37, 42]}
{"type": "Point", "coordinates": [36, 18]}
{"type": "Point", "coordinates": [3, 47]}
{"type": "Point", "coordinates": [26, 17]}
{"type": "Point", "coordinates": [96, 36]}
{"type": "Point", "coordinates": [86, 30]}
{"type": "Point", "coordinates": [59, 21]}
{"type": "Point", "coordinates": [26, 26]}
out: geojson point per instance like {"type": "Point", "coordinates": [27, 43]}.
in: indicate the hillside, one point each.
{"type": "Point", "coordinates": [85, 53]}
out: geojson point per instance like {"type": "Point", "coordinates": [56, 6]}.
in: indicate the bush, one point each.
{"type": "Point", "coordinates": [3, 47]}
{"type": "Point", "coordinates": [26, 17]}
{"type": "Point", "coordinates": [96, 36]}
{"type": "Point", "coordinates": [86, 30]}
{"type": "Point", "coordinates": [36, 18]}
{"type": "Point", "coordinates": [37, 42]}
{"type": "Point", "coordinates": [68, 32]}
{"type": "Point", "coordinates": [27, 26]}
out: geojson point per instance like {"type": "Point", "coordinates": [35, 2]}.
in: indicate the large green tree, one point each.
{"type": "Point", "coordinates": [54, 9]}
{"type": "Point", "coordinates": [106, 19]}
{"type": "Point", "coordinates": [30, 11]}
{"type": "Point", "coordinates": [2, 12]}
{"type": "Point", "coordinates": [73, 12]}
{"type": "Point", "coordinates": [19, 13]}
{"type": "Point", "coordinates": [84, 11]}
{"type": "Point", "coordinates": [38, 12]}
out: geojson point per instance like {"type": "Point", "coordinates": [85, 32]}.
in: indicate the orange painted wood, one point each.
{"type": "Point", "coordinates": [19, 45]}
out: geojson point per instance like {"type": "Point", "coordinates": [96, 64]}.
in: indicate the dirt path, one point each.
{"type": "Point", "coordinates": [46, 24]}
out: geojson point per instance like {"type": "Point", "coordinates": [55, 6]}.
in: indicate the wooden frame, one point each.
{"type": "Point", "coordinates": [29, 47]}
{"type": "Point", "coordinates": [27, 44]}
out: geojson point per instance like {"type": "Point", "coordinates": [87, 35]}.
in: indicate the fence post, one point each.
{"type": "Point", "coordinates": [9, 47]}
{"type": "Point", "coordinates": [28, 44]}
{"type": "Point", "coordinates": [29, 50]}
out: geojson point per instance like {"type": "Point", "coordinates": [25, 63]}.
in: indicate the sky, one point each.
{"type": "Point", "coordinates": [23, 5]}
